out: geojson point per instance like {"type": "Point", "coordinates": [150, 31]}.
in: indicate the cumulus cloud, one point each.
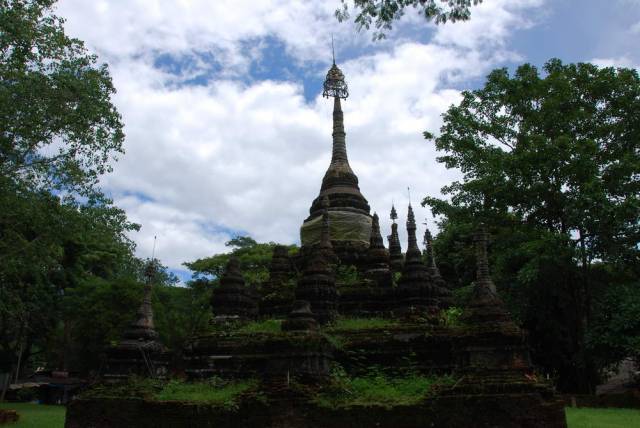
{"type": "Point", "coordinates": [622, 61]}
{"type": "Point", "coordinates": [233, 154]}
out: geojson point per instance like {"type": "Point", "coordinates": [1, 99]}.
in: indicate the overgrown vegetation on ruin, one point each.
{"type": "Point", "coordinates": [378, 389]}
{"type": "Point", "coordinates": [214, 391]}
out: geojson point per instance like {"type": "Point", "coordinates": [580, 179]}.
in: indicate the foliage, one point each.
{"type": "Point", "coordinates": [58, 127]}
{"type": "Point", "coordinates": [615, 330]}
{"type": "Point", "coordinates": [265, 326]}
{"type": "Point", "coordinates": [450, 317]}
{"type": "Point", "coordinates": [96, 312]}
{"type": "Point", "coordinates": [181, 311]}
{"type": "Point", "coordinates": [602, 418]}
{"type": "Point", "coordinates": [382, 14]}
{"type": "Point", "coordinates": [550, 164]}
{"type": "Point", "coordinates": [254, 257]}
{"type": "Point", "coordinates": [347, 275]}
{"type": "Point", "coordinates": [62, 243]}
{"type": "Point", "coordinates": [214, 391]}
{"type": "Point", "coordinates": [37, 415]}
{"type": "Point", "coordinates": [361, 323]}
{"type": "Point", "coordinates": [50, 247]}
{"type": "Point", "coordinates": [462, 295]}
{"type": "Point", "coordinates": [133, 387]}
{"type": "Point", "coordinates": [377, 389]}
{"type": "Point", "coordinates": [558, 152]}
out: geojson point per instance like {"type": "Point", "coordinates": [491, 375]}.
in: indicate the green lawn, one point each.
{"type": "Point", "coordinates": [36, 415]}
{"type": "Point", "coordinates": [602, 418]}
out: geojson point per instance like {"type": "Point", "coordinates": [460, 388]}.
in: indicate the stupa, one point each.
{"type": "Point", "coordinates": [348, 210]}
{"type": "Point", "coordinates": [139, 353]}
{"type": "Point", "coordinates": [395, 249]}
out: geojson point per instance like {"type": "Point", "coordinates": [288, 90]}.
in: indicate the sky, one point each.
{"type": "Point", "coordinates": [227, 133]}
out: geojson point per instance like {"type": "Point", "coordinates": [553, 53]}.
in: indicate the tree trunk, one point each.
{"type": "Point", "coordinates": [585, 315]}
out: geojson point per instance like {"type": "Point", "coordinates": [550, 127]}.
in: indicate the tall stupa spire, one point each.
{"type": "Point", "coordinates": [347, 209]}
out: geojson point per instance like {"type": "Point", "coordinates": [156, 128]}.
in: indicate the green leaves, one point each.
{"type": "Point", "coordinates": [551, 163]}
{"type": "Point", "coordinates": [58, 127]}
{"type": "Point", "coordinates": [383, 14]}
{"type": "Point", "coordinates": [558, 151]}
{"type": "Point", "coordinates": [254, 257]}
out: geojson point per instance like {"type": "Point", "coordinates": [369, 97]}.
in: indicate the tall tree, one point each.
{"type": "Point", "coordinates": [59, 131]}
{"type": "Point", "coordinates": [558, 153]}
{"type": "Point", "coordinates": [58, 126]}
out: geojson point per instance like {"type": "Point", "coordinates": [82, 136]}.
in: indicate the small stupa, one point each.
{"type": "Point", "coordinates": [443, 290]}
{"type": "Point", "coordinates": [232, 300]}
{"type": "Point", "coordinates": [377, 260]}
{"type": "Point", "coordinates": [415, 287]}
{"type": "Point", "coordinates": [139, 353]}
{"type": "Point", "coordinates": [396, 259]}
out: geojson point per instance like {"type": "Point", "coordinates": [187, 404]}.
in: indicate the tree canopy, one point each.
{"type": "Point", "coordinates": [552, 163]}
{"type": "Point", "coordinates": [58, 127]}
{"type": "Point", "coordinates": [383, 14]}
{"type": "Point", "coordinates": [66, 262]}
{"type": "Point", "coordinates": [254, 257]}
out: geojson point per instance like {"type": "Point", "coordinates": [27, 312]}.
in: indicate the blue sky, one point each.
{"type": "Point", "coordinates": [227, 132]}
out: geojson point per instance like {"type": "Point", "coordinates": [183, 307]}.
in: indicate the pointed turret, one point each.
{"type": "Point", "coordinates": [416, 290]}
{"type": "Point", "coordinates": [139, 353]}
{"type": "Point", "coordinates": [318, 287]}
{"type": "Point", "coordinates": [396, 259]}
{"type": "Point", "coordinates": [444, 293]}
{"type": "Point", "coordinates": [377, 260]}
{"type": "Point", "coordinates": [232, 299]}
{"type": "Point", "coordinates": [485, 304]}
{"type": "Point", "coordinates": [143, 328]}
{"type": "Point", "coordinates": [348, 209]}
{"type": "Point", "coordinates": [277, 291]}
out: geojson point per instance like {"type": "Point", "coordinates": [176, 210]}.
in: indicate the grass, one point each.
{"type": "Point", "coordinates": [266, 326]}
{"type": "Point", "coordinates": [602, 418]}
{"type": "Point", "coordinates": [36, 415]}
{"type": "Point", "coordinates": [377, 390]}
{"type": "Point", "coordinates": [214, 391]}
{"type": "Point", "coordinates": [361, 323]}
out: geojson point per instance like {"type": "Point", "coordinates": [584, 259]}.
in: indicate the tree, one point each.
{"type": "Point", "coordinates": [556, 155]}
{"type": "Point", "coordinates": [254, 257]}
{"type": "Point", "coordinates": [59, 131]}
{"type": "Point", "coordinates": [560, 152]}
{"type": "Point", "coordinates": [58, 127]}
{"type": "Point", "coordinates": [49, 248]}
{"type": "Point", "coordinates": [382, 14]}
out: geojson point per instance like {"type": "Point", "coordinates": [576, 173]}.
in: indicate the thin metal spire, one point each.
{"type": "Point", "coordinates": [333, 52]}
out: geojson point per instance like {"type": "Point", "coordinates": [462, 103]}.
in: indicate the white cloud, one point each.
{"type": "Point", "coordinates": [622, 61]}
{"type": "Point", "coordinates": [491, 24]}
{"type": "Point", "coordinates": [234, 154]}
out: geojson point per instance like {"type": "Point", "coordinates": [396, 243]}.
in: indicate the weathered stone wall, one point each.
{"type": "Point", "coordinates": [505, 411]}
